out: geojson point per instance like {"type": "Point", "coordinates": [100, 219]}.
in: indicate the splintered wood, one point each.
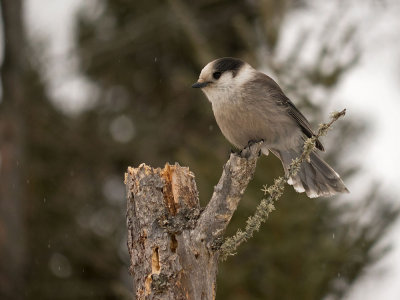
{"type": "Point", "coordinates": [163, 207]}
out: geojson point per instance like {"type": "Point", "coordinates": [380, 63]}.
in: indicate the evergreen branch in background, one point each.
{"type": "Point", "coordinates": [275, 191]}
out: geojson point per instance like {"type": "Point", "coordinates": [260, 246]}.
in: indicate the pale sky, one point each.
{"type": "Point", "coordinates": [371, 90]}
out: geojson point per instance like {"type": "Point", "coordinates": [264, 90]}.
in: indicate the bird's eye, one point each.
{"type": "Point", "coordinates": [216, 75]}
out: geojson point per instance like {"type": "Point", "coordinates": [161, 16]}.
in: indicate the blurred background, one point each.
{"type": "Point", "coordinates": [91, 87]}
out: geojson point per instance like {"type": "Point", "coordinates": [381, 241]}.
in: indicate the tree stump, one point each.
{"type": "Point", "coordinates": [173, 243]}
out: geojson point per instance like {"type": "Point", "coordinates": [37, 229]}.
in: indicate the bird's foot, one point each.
{"type": "Point", "coordinates": [235, 151]}
{"type": "Point", "coordinates": [246, 151]}
{"type": "Point", "coordinates": [252, 142]}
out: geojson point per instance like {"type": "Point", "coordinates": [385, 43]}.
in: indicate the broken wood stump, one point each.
{"type": "Point", "coordinates": [172, 242]}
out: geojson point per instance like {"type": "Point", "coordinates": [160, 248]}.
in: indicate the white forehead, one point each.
{"type": "Point", "coordinates": [207, 70]}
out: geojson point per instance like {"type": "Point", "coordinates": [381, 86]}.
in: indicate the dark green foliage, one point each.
{"type": "Point", "coordinates": [144, 56]}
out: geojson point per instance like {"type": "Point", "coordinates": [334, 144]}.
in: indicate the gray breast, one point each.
{"type": "Point", "coordinates": [254, 115]}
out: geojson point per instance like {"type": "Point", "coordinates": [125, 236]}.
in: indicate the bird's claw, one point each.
{"type": "Point", "coordinates": [235, 151]}
{"type": "Point", "coordinates": [252, 142]}
{"type": "Point", "coordinates": [246, 150]}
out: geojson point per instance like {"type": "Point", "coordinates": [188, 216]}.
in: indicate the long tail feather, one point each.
{"type": "Point", "coordinates": [315, 177]}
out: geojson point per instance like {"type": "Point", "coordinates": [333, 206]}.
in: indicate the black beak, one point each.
{"type": "Point", "coordinates": [199, 85]}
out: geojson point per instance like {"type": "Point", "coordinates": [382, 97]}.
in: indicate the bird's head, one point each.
{"type": "Point", "coordinates": [222, 76]}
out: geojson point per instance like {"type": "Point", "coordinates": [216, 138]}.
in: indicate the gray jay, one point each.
{"type": "Point", "coordinates": [249, 106]}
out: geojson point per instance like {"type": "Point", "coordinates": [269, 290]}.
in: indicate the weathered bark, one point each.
{"type": "Point", "coordinates": [173, 244]}
{"type": "Point", "coordinates": [11, 152]}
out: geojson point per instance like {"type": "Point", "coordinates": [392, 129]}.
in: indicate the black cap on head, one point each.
{"type": "Point", "coordinates": [228, 64]}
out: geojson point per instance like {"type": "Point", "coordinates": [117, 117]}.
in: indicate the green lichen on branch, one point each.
{"type": "Point", "coordinates": [274, 192]}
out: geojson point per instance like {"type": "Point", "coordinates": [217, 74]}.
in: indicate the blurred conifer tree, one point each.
{"type": "Point", "coordinates": [144, 55]}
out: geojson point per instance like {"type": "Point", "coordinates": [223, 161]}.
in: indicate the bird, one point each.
{"type": "Point", "coordinates": [249, 105]}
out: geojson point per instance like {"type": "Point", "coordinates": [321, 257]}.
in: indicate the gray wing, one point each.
{"type": "Point", "coordinates": [276, 92]}
{"type": "Point", "coordinates": [302, 121]}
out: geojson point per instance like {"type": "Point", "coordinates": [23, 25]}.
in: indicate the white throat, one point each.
{"type": "Point", "coordinates": [227, 87]}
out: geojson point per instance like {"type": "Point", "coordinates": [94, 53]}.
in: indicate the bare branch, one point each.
{"type": "Point", "coordinates": [237, 173]}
